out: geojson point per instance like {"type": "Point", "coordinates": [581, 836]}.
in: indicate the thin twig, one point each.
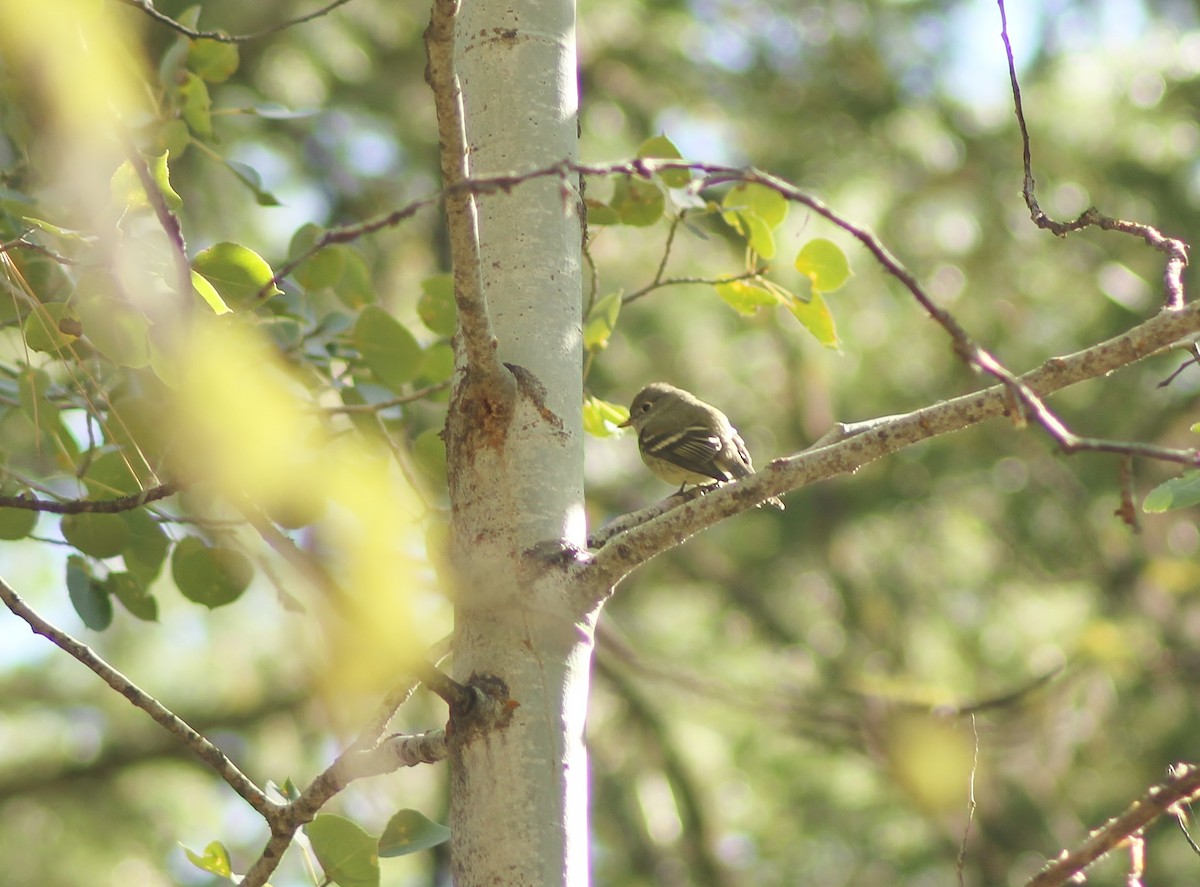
{"type": "Point", "coordinates": [167, 220]}
{"type": "Point", "coordinates": [198, 745]}
{"type": "Point", "coordinates": [147, 7]}
{"type": "Point", "coordinates": [92, 506]}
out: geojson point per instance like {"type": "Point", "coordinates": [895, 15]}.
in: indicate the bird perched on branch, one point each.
{"type": "Point", "coordinates": [684, 440]}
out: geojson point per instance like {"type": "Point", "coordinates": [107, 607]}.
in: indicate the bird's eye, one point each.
{"type": "Point", "coordinates": [645, 408]}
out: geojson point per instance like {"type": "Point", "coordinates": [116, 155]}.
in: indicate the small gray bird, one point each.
{"type": "Point", "coordinates": [684, 440]}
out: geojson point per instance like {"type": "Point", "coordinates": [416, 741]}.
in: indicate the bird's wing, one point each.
{"type": "Point", "coordinates": [692, 449]}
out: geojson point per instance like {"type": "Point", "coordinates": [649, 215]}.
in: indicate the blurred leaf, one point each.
{"type": "Point", "coordinates": [601, 418]}
{"type": "Point", "coordinates": [208, 292]}
{"type": "Point", "coordinates": [347, 853]}
{"type": "Point", "coordinates": [110, 475]}
{"type": "Point", "coordinates": [599, 213]}
{"type": "Point", "coordinates": [824, 263]}
{"type": "Point", "coordinates": [663, 148]}
{"type": "Point", "coordinates": [387, 347]}
{"type": "Point", "coordinates": [429, 452]}
{"type": "Point", "coordinates": [212, 60]}
{"type": "Point", "coordinates": [87, 597]}
{"type": "Point", "coordinates": [1178, 492]}
{"type": "Point", "coordinates": [755, 211]}
{"type": "Point", "coordinates": [321, 269]}
{"type": "Point", "coordinates": [238, 273]}
{"type": "Point", "coordinates": [212, 576]}
{"type": "Point", "coordinates": [148, 545]}
{"type": "Point", "coordinates": [409, 831]}
{"type": "Point", "coordinates": [127, 188]}
{"type": "Point", "coordinates": [215, 860]}
{"type": "Point", "coordinates": [17, 523]}
{"type": "Point", "coordinates": [249, 177]}
{"type": "Point", "coordinates": [355, 287]}
{"type": "Point", "coordinates": [99, 535]}
{"type": "Point", "coordinates": [601, 321]}
{"type": "Point", "coordinates": [437, 362]}
{"type": "Point", "coordinates": [275, 111]}
{"type": "Point", "coordinates": [116, 329]}
{"type": "Point", "coordinates": [638, 202]}
{"type": "Point", "coordinates": [436, 307]}
{"type": "Point", "coordinates": [51, 327]}
{"type": "Point", "coordinates": [196, 105]}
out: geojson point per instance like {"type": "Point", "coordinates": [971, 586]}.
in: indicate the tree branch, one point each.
{"type": "Point", "coordinates": [91, 506]}
{"type": "Point", "coordinates": [147, 6]}
{"type": "Point", "coordinates": [634, 546]}
{"type": "Point", "coordinates": [193, 741]}
{"type": "Point", "coordinates": [475, 325]}
{"type": "Point", "coordinates": [1182, 785]}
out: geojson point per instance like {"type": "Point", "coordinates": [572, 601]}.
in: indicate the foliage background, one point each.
{"type": "Point", "coordinates": [762, 697]}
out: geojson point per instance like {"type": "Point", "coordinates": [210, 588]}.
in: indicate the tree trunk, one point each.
{"type": "Point", "coordinates": [515, 459]}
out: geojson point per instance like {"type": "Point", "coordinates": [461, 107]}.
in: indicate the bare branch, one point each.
{"type": "Point", "coordinates": [147, 6]}
{"type": "Point", "coordinates": [1175, 250]}
{"type": "Point", "coordinates": [168, 220]}
{"type": "Point", "coordinates": [1182, 786]}
{"type": "Point", "coordinates": [193, 741]}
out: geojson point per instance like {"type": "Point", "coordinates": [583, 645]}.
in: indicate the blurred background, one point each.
{"type": "Point", "coordinates": [780, 700]}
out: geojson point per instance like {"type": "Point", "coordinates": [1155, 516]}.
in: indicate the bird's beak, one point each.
{"type": "Point", "coordinates": [628, 423]}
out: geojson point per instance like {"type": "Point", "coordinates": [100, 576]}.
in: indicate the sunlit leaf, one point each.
{"type": "Point", "coordinates": [196, 105]}
{"type": "Point", "coordinates": [1178, 492]}
{"type": "Point", "coordinates": [409, 831]}
{"type": "Point", "coordinates": [215, 860]}
{"type": "Point", "coordinates": [601, 418]}
{"type": "Point", "coordinates": [208, 292]}
{"type": "Point", "coordinates": [127, 188]}
{"type": "Point", "coordinates": [823, 262]}
{"type": "Point", "coordinates": [212, 60]}
{"type": "Point", "coordinates": [51, 327]}
{"type": "Point", "coordinates": [238, 273]}
{"type": "Point", "coordinates": [347, 852]}
{"type": "Point", "coordinates": [816, 318]}
{"type": "Point", "coordinates": [745, 296]}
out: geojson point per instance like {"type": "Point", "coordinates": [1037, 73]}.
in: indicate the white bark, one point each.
{"type": "Point", "coordinates": [515, 455]}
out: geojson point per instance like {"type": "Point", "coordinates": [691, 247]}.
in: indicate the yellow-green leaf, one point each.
{"type": "Point", "coordinates": [347, 852]}
{"type": "Point", "coordinates": [601, 321]}
{"type": "Point", "coordinates": [601, 418]}
{"type": "Point", "coordinates": [409, 831]}
{"type": "Point", "coordinates": [387, 347]}
{"type": "Point", "coordinates": [208, 292]}
{"type": "Point", "coordinates": [195, 105]}
{"type": "Point", "coordinates": [215, 860]}
{"type": "Point", "coordinates": [51, 326]}
{"type": "Point", "coordinates": [639, 203]}
{"type": "Point", "coordinates": [127, 188]}
{"type": "Point", "coordinates": [817, 319]}
{"type": "Point", "coordinates": [213, 60]}
{"type": "Point", "coordinates": [436, 307]}
{"type": "Point", "coordinates": [238, 273]}
{"type": "Point", "coordinates": [746, 297]}
{"type": "Point", "coordinates": [823, 262]}
{"type": "Point", "coordinates": [599, 213]}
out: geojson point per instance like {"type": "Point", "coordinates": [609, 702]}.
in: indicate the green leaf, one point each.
{"type": "Point", "coordinates": [321, 269]}
{"type": "Point", "coordinates": [212, 60]}
{"type": "Point", "coordinates": [130, 591]}
{"type": "Point", "coordinates": [116, 329]}
{"type": "Point", "coordinates": [601, 418]}
{"type": "Point", "coordinates": [437, 362]}
{"type": "Point", "coordinates": [215, 860]}
{"type": "Point", "coordinates": [387, 347]}
{"type": "Point", "coordinates": [127, 188]}
{"type": "Point", "coordinates": [238, 273]}
{"type": "Point", "coordinates": [823, 262]}
{"type": "Point", "coordinates": [746, 297]}
{"type": "Point", "coordinates": [195, 105]}
{"type": "Point", "coordinates": [663, 148]}
{"type": "Point", "coordinates": [601, 321]}
{"type": "Point", "coordinates": [147, 548]}
{"type": "Point", "coordinates": [208, 292]}
{"type": "Point", "coordinates": [51, 327]}
{"type": "Point", "coordinates": [90, 601]}
{"type": "Point", "coordinates": [816, 318]}
{"type": "Point", "coordinates": [17, 523]}
{"type": "Point", "coordinates": [348, 853]}
{"type": "Point", "coordinates": [599, 213]}
{"type": "Point", "coordinates": [436, 306]}
{"type": "Point", "coordinates": [249, 177]}
{"type": "Point", "coordinates": [639, 203]}
{"type": "Point", "coordinates": [355, 287]}
{"type": "Point", "coordinates": [109, 474]}
{"type": "Point", "coordinates": [100, 535]}
{"type": "Point", "coordinates": [409, 831]}
{"type": "Point", "coordinates": [1178, 492]}
{"type": "Point", "coordinates": [212, 576]}
{"type": "Point", "coordinates": [755, 211]}
{"type": "Point", "coordinates": [429, 453]}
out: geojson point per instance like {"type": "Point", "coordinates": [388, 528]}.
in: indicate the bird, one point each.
{"type": "Point", "coordinates": [684, 440]}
